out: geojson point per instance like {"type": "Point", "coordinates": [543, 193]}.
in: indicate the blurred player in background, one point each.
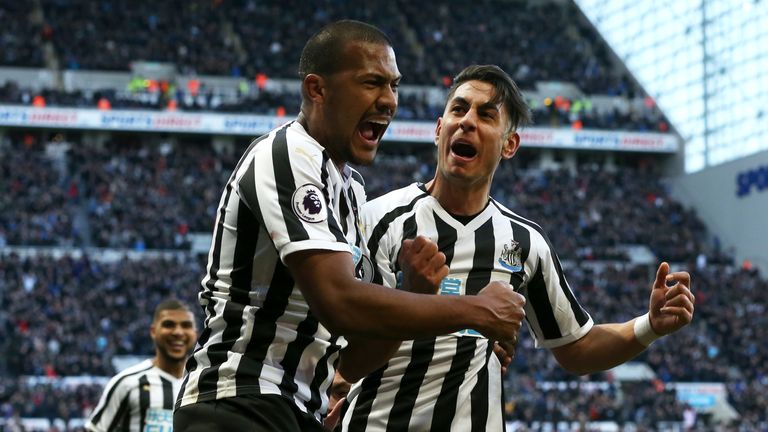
{"type": "Point", "coordinates": [454, 382]}
{"type": "Point", "coordinates": [141, 397]}
{"type": "Point", "coordinates": [286, 275]}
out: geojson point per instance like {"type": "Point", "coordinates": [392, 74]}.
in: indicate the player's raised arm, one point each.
{"type": "Point", "coordinates": [609, 345]}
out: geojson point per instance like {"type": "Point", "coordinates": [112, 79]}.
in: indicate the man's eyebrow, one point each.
{"type": "Point", "coordinates": [170, 321]}
{"type": "Point", "coordinates": [489, 106]}
{"type": "Point", "coordinates": [459, 100]}
{"type": "Point", "coordinates": [380, 77]}
{"type": "Point", "coordinates": [486, 106]}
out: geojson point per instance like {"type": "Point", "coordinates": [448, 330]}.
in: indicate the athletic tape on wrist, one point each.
{"type": "Point", "coordinates": [643, 330]}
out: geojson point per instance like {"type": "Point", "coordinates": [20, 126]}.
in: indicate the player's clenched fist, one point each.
{"type": "Point", "coordinates": [506, 312]}
{"type": "Point", "coordinates": [423, 265]}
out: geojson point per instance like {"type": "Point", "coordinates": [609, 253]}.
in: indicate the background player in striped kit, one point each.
{"type": "Point", "coordinates": [453, 382]}
{"type": "Point", "coordinates": [141, 397]}
{"type": "Point", "coordinates": [284, 273]}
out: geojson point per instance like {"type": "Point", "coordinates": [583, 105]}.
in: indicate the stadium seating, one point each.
{"type": "Point", "coordinates": [67, 312]}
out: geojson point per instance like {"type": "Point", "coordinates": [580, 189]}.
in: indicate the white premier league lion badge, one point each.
{"type": "Point", "coordinates": [308, 204]}
{"type": "Point", "coordinates": [512, 256]}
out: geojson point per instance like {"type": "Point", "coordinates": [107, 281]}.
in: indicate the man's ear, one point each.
{"type": "Point", "coordinates": [314, 88]}
{"type": "Point", "coordinates": [152, 330]}
{"type": "Point", "coordinates": [437, 129]}
{"type": "Point", "coordinates": [511, 145]}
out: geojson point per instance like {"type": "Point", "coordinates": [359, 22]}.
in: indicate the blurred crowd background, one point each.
{"type": "Point", "coordinates": [72, 315]}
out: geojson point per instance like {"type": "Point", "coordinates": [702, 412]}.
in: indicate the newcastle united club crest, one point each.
{"type": "Point", "coordinates": [512, 256]}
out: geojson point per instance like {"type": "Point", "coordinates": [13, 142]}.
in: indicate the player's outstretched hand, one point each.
{"type": "Point", "coordinates": [423, 265]}
{"type": "Point", "coordinates": [671, 304]}
{"type": "Point", "coordinates": [506, 314]}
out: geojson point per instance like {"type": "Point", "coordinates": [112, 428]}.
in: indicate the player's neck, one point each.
{"type": "Point", "coordinates": [171, 366]}
{"type": "Point", "coordinates": [457, 198]}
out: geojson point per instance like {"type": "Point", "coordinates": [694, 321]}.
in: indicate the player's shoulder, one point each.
{"type": "Point", "coordinates": [291, 135]}
{"type": "Point", "coordinates": [137, 369]}
{"type": "Point", "coordinates": [515, 218]}
{"type": "Point", "coordinates": [300, 142]}
{"type": "Point", "coordinates": [395, 199]}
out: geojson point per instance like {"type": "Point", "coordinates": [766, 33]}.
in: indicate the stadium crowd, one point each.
{"type": "Point", "coordinates": [61, 328]}
{"type": "Point", "coordinates": [128, 193]}
{"type": "Point", "coordinates": [219, 38]}
{"type": "Point", "coordinates": [206, 37]}
{"type": "Point", "coordinates": [70, 316]}
{"type": "Point", "coordinates": [579, 113]}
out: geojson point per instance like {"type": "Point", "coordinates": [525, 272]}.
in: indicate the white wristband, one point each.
{"type": "Point", "coordinates": [643, 330]}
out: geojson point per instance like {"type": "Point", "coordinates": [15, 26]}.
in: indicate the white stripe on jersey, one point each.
{"type": "Point", "coordinates": [453, 382]}
{"type": "Point", "coordinates": [285, 195]}
{"type": "Point", "coordinates": [141, 395]}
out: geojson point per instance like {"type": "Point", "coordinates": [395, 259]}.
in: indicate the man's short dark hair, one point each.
{"type": "Point", "coordinates": [506, 92]}
{"type": "Point", "coordinates": [170, 304]}
{"type": "Point", "coordinates": [323, 52]}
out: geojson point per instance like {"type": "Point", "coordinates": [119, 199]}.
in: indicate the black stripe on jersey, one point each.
{"type": "Point", "coordinates": [446, 238]}
{"type": "Point", "coordinates": [409, 228]}
{"type": "Point", "coordinates": [248, 151]}
{"type": "Point", "coordinates": [445, 407]}
{"type": "Point", "coordinates": [143, 401]}
{"type": "Point", "coordinates": [409, 232]}
{"type": "Point", "coordinates": [364, 403]}
{"type": "Point", "coordinates": [247, 189]}
{"type": "Point", "coordinates": [321, 373]}
{"type": "Point", "coordinates": [248, 229]}
{"type": "Point", "coordinates": [421, 355]}
{"type": "Point", "coordinates": [523, 237]}
{"type": "Point", "coordinates": [247, 184]}
{"type": "Point", "coordinates": [482, 261]}
{"type": "Point", "coordinates": [304, 336]}
{"type": "Point", "coordinates": [343, 211]}
{"type": "Point", "coordinates": [207, 294]}
{"type": "Point", "coordinates": [123, 417]}
{"type": "Point", "coordinates": [381, 228]}
{"type": "Point", "coordinates": [537, 295]}
{"type": "Point", "coordinates": [242, 269]}
{"type": "Point", "coordinates": [265, 324]}
{"type": "Point", "coordinates": [578, 312]}
{"type": "Point", "coordinates": [213, 268]}
{"type": "Point", "coordinates": [111, 393]}
{"type": "Point", "coordinates": [479, 395]}
{"type": "Point", "coordinates": [356, 175]}
{"type": "Point", "coordinates": [356, 211]}
{"type": "Point", "coordinates": [333, 225]}
{"type": "Point", "coordinates": [502, 400]}
{"type": "Point", "coordinates": [286, 186]}
{"type": "Point", "coordinates": [167, 394]}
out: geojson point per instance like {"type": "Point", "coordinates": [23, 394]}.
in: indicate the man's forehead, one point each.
{"type": "Point", "coordinates": [370, 57]}
{"type": "Point", "coordinates": [477, 92]}
{"type": "Point", "coordinates": [178, 315]}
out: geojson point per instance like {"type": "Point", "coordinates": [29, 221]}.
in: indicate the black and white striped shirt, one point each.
{"type": "Point", "coordinates": [453, 382]}
{"type": "Point", "coordinates": [285, 195]}
{"type": "Point", "coordinates": [138, 399]}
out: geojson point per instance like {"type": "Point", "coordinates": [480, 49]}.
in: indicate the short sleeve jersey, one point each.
{"type": "Point", "coordinates": [260, 337]}
{"type": "Point", "coordinates": [453, 382]}
{"type": "Point", "coordinates": [138, 399]}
